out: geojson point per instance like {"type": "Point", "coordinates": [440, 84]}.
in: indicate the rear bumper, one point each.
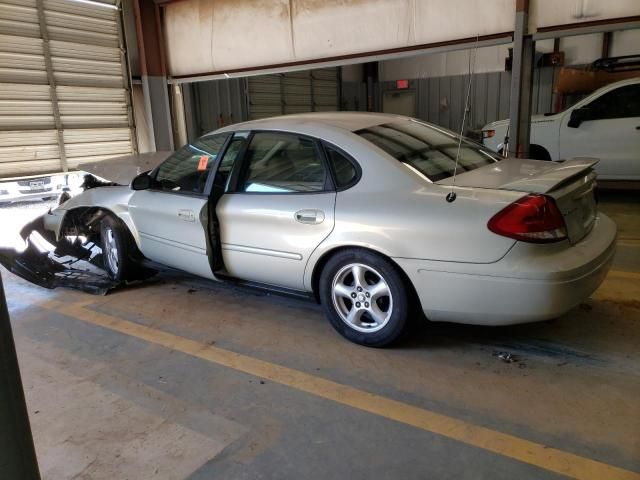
{"type": "Point", "coordinates": [530, 283]}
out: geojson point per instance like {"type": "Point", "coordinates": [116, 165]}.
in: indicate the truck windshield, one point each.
{"type": "Point", "coordinates": [429, 149]}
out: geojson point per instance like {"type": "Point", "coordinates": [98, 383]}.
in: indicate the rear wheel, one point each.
{"type": "Point", "coordinates": [118, 249]}
{"type": "Point", "coordinates": [364, 297]}
{"type": "Point", "coordinates": [538, 152]}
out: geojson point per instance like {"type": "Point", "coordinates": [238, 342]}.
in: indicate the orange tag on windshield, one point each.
{"type": "Point", "coordinates": [202, 164]}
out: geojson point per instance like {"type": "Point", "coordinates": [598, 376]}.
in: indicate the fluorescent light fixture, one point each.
{"type": "Point", "coordinates": [96, 4]}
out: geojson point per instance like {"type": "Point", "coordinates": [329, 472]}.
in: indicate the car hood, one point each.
{"type": "Point", "coordinates": [123, 169]}
{"type": "Point", "coordinates": [533, 176]}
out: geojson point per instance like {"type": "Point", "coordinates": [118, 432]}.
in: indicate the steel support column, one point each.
{"type": "Point", "coordinates": [17, 453]}
{"type": "Point", "coordinates": [51, 79]}
{"type": "Point", "coordinates": [521, 84]}
{"type": "Point", "coordinates": [153, 74]}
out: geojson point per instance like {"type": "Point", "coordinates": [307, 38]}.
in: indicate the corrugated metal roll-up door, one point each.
{"type": "Point", "coordinates": [326, 92]}
{"type": "Point", "coordinates": [293, 92]}
{"type": "Point", "coordinates": [64, 86]}
{"type": "Point", "coordinates": [265, 96]}
{"type": "Point", "coordinates": [297, 95]}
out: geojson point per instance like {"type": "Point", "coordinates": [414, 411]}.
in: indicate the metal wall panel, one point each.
{"type": "Point", "coordinates": [78, 154]}
{"type": "Point", "coordinates": [19, 149]}
{"type": "Point", "coordinates": [294, 92]}
{"type": "Point", "coordinates": [214, 104]}
{"type": "Point", "coordinates": [326, 89]}
{"type": "Point", "coordinates": [297, 93]}
{"type": "Point", "coordinates": [354, 96]}
{"type": "Point", "coordinates": [265, 96]}
{"type": "Point", "coordinates": [64, 91]}
{"type": "Point", "coordinates": [441, 100]}
{"type": "Point", "coordinates": [19, 18]}
{"type": "Point", "coordinates": [85, 144]}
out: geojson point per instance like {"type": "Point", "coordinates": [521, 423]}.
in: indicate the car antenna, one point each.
{"type": "Point", "coordinates": [451, 196]}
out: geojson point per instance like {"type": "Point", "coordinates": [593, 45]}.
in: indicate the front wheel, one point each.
{"type": "Point", "coordinates": [364, 297]}
{"type": "Point", "coordinates": [118, 249]}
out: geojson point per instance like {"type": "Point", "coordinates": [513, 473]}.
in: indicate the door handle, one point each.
{"type": "Point", "coordinates": [186, 215]}
{"type": "Point", "coordinates": [311, 217]}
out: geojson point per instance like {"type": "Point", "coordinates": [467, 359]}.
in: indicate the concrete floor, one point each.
{"type": "Point", "coordinates": [182, 378]}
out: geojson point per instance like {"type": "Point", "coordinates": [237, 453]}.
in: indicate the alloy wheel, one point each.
{"type": "Point", "coordinates": [362, 297]}
{"type": "Point", "coordinates": [111, 250]}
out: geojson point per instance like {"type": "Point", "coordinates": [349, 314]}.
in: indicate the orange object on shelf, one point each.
{"type": "Point", "coordinates": [579, 80]}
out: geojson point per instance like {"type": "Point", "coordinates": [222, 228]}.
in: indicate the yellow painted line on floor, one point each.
{"type": "Point", "coordinates": [623, 274]}
{"type": "Point", "coordinates": [510, 446]}
{"type": "Point", "coordinates": [633, 243]}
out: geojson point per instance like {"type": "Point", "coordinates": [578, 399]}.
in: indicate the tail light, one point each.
{"type": "Point", "coordinates": [534, 218]}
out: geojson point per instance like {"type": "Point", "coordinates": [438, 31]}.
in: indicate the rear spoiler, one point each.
{"type": "Point", "coordinates": [554, 177]}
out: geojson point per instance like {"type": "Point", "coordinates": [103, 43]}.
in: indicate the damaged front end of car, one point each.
{"type": "Point", "coordinates": [72, 258]}
{"type": "Point", "coordinates": [50, 264]}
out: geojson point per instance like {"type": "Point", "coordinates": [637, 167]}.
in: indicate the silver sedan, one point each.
{"type": "Point", "coordinates": [379, 217]}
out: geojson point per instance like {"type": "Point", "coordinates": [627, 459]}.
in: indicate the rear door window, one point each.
{"type": "Point", "coordinates": [346, 173]}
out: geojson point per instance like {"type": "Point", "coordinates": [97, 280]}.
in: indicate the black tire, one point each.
{"type": "Point", "coordinates": [120, 264]}
{"type": "Point", "coordinates": [366, 331]}
{"type": "Point", "coordinates": [538, 152]}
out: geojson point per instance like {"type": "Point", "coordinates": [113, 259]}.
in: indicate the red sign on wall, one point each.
{"type": "Point", "coordinates": [402, 84]}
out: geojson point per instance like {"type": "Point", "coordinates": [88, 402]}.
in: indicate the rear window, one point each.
{"type": "Point", "coordinates": [430, 150]}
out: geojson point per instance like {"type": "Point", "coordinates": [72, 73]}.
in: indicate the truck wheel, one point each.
{"type": "Point", "coordinates": [538, 152]}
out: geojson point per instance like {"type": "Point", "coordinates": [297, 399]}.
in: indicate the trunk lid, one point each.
{"type": "Point", "coordinates": [570, 183]}
{"type": "Point", "coordinates": [523, 175]}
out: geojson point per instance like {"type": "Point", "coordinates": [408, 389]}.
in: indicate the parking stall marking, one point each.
{"type": "Point", "coordinates": [629, 242]}
{"type": "Point", "coordinates": [624, 274]}
{"type": "Point", "coordinates": [504, 444]}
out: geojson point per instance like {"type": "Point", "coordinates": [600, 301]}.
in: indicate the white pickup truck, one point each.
{"type": "Point", "coordinates": [604, 125]}
{"type": "Point", "coordinates": [39, 188]}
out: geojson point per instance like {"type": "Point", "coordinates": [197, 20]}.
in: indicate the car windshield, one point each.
{"type": "Point", "coordinates": [429, 149]}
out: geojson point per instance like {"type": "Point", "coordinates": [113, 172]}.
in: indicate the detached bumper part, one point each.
{"type": "Point", "coordinates": [47, 270]}
{"type": "Point", "coordinates": [69, 265]}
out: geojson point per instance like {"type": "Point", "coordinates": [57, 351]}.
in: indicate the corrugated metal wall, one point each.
{"type": "Point", "coordinates": [214, 104]}
{"type": "Point", "coordinates": [354, 97]}
{"type": "Point", "coordinates": [64, 95]}
{"type": "Point", "coordinates": [440, 100]}
{"type": "Point", "coordinates": [294, 92]}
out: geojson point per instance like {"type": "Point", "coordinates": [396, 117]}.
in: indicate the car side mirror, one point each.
{"type": "Point", "coordinates": [580, 115]}
{"type": "Point", "coordinates": [142, 182]}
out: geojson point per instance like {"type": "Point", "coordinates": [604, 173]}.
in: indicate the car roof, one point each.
{"type": "Point", "coordinates": [350, 121]}
{"type": "Point", "coordinates": [614, 85]}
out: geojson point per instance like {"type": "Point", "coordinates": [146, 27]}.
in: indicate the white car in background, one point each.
{"type": "Point", "coordinates": [604, 125]}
